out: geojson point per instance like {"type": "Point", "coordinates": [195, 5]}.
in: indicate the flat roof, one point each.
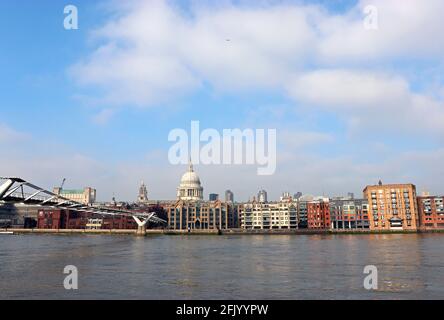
{"type": "Point", "coordinates": [71, 191]}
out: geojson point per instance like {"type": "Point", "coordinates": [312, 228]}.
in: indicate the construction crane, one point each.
{"type": "Point", "coordinates": [63, 183]}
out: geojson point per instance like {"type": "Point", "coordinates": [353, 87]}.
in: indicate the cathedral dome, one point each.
{"type": "Point", "coordinates": [190, 187]}
{"type": "Point", "coordinates": [190, 178]}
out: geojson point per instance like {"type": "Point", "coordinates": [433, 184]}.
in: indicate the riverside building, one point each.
{"type": "Point", "coordinates": [313, 212]}
{"type": "Point", "coordinates": [349, 214]}
{"type": "Point", "coordinates": [200, 215]}
{"type": "Point", "coordinates": [302, 204]}
{"type": "Point", "coordinates": [318, 214]}
{"type": "Point", "coordinates": [392, 206]}
{"type": "Point", "coordinates": [271, 215]}
{"type": "Point", "coordinates": [431, 212]}
{"type": "Point", "coordinates": [190, 212]}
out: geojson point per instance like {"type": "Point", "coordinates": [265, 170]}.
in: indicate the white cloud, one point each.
{"type": "Point", "coordinates": [265, 45]}
{"type": "Point", "coordinates": [153, 51]}
{"type": "Point", "coordinates": [153, 48]}
{"type": "Point", "coordinates": [406, 29]}
{"type": "Point", "coordinates": [133, 76]}
{"type": "Point", "coordinates": [347, 89]}
{"type": "Point", "coordinates": [370, 100]}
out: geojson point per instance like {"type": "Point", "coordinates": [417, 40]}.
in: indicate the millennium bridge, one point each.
{"type": "Point", "coordinates": [15, 190]}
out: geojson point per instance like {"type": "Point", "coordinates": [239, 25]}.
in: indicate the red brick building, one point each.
{"type": "Point", "coordinates": [318, 214]}
{"type": "Point", "coordinates": [119, 222]}
{"type": "Point", "coordinates": [431, 212]}
{"type": "Point", "coordinates": [392, 206]}
{"type": "Point", "coordinates": [50, 219]}
{"type": "Point", "coordinates": [61, 219]}
{"type": "Point", "coordinates": [69, 219]}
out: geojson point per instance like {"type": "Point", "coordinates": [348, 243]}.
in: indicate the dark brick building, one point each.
{"type": "Point", "coordinates": [431, 212]}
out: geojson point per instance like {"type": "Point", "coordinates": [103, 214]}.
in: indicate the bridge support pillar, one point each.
{"type": "Point", "coordinates": [141, 226]}
{"type": "Point", "coordinates": [141, 231]}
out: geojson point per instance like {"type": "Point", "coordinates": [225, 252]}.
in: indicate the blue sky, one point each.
{"type": "Point", "coordinates": [302, 67]}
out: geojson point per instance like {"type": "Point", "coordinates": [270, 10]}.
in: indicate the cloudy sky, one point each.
{"type": "Point", "coordinates": [350, 105]}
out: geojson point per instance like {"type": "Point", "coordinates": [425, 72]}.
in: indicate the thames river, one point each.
{"type": "Point", "coordinates": [410, 266]}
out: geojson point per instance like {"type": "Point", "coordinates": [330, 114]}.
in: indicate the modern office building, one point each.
{"type": "Point", "coordinates": [271, 215]}
{"type": "Point", "coordinates": [431, 212]}
{"type": "Point", "coordinates": [229, 196]}
{"type": "Point", "coordinates": [392, 206]}
{"type": "Point", "coordinates": [262, 196]}
{"type": "Point", "coordinates": [349, 213]}
{"type": "Point", "coordinates": [234, 220]}
{"type": "Point", "coordinates": [85, 196]}
{"type": "Point", "coordinates": [302, 205]}
{"type": "Point", "coordinates": [213, 197]}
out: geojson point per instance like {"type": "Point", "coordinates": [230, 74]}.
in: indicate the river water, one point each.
{"type": "Point", "coordinates": [410, 266]}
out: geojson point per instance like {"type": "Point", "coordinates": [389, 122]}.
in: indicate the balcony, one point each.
{"type": "Point", "coordinates": [395, 223]}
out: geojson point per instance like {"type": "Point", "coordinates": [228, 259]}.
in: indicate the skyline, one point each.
{"type": "Point", "coordinates": [96, 105]}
